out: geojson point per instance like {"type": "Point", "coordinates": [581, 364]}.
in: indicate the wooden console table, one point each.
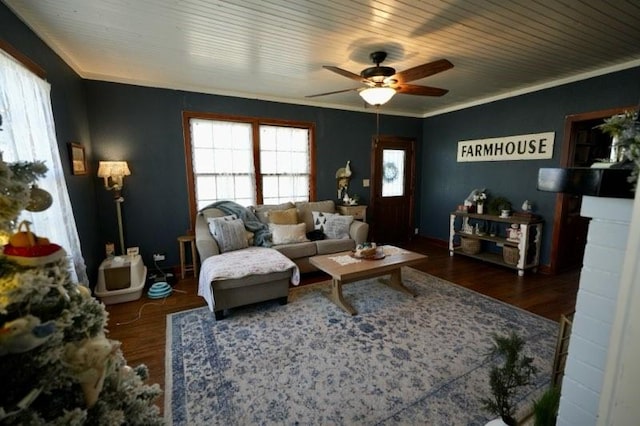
{"type": "Point", "coordinates": [528, 245]}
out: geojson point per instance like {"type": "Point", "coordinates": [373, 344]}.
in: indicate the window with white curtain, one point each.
{"type": "Point", "coordinates": [222, 162]}
{"type": "Point", "coordinates": [249, 162]}
{"type": "Point", "coordinates": [284, 164]}
{"type": "Point", "coordinates": [28, 134]}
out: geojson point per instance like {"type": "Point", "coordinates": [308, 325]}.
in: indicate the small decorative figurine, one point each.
{"type": "Point", "coordinates": [343, 175]}
{"type": "Point", "coordinates": [514, 233]}
{"type": "Point", "coordinates": [467, 228]}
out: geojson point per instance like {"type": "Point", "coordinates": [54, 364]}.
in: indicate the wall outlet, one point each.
{"type": "Point", "coordinates": [158, 257]}
{"type": "Point", "coordinates": [415, 231]}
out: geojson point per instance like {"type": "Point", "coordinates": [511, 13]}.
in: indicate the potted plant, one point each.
{"type": "Point", "coordinates": [497, 204]}
{"type": "Point", "coordinates": [545, 409]}
{"type": "Point", "coordinates": [505, 380]}
{"type": "Point", "coordinates": [624, 130]}
{"type": "Point", "coordinates": [480, 199]}
{"type": "Point", "coordinates": [505, 209]}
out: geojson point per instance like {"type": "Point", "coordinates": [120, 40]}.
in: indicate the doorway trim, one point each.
{"type": "Point", "coordinates": [566, 160]}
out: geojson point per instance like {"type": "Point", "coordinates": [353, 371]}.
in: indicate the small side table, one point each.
{"type": "Point", "coordinates": [358, 212]}
{"type": "Point", "coordinates": [182, 241]}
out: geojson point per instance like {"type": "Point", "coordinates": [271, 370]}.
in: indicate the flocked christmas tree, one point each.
{"type": "Point", "coordinates": [56, 364]}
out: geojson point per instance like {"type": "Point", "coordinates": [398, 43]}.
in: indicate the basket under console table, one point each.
{"type": "Point", "coordinates": [526, 248]}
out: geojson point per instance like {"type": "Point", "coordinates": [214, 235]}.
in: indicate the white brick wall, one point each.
{"type": "Point", "coordinates": [595, 309]}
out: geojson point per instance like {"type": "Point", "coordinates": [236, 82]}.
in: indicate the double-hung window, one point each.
{"type": "Point", "coordinates": [249, 161]}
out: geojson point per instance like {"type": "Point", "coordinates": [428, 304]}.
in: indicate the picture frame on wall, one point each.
{"type": "Point", "coordinates": [78, 159]}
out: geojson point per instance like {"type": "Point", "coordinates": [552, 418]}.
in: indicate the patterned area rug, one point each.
{"type": "Point", "coordinates": [401, 360]}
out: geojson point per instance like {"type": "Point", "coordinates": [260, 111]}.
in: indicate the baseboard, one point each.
{"type": "Point", "coordinates": [435, 241]}
{"type": "Point", "coordinates": [545, 269]}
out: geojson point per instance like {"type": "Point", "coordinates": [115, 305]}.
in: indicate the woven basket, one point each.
{"type": "Point", "coordinates": [470, 245]}
{"type": "Point", "coordinates": [510, 255]}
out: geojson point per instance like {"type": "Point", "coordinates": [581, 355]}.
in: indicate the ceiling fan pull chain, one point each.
{"type": "Point", "coordinates": [377, 123]}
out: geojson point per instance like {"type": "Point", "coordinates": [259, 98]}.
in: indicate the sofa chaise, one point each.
{"type": "Point", "coordinates": [299, 231]}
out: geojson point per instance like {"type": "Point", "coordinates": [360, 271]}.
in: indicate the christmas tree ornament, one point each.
{"type": "Point", "coordinates": [15, 179]}
{"type": "Point", "coordinates": [28, 249]}
{"type": "Point", "coordinates": [39, 199]}
{"type": "Point", "coordinates": [23, 238]}
{"type": "Point", "coordinates": [88, 360]}
{"type": "Point", "coordinates": [24, 334]}
{"type": "Point", "coordinates": [84, 291]}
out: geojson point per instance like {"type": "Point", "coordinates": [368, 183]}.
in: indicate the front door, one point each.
{"type": "Point", "coordinates": [392, 189]}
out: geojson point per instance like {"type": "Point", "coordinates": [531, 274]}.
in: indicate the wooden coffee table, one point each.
{"type": "Point", "coordinates": [394, 259]}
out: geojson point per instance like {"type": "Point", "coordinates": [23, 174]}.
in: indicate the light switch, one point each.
{"type": "Point", "coordinates": [365, 183]}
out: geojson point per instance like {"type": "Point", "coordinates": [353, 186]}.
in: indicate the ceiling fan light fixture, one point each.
{"type": "Point", "coordinates": [377, 95]}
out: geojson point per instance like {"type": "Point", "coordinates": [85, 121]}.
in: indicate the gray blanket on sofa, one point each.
{"type": "Point", "coordinates": [261, 233]}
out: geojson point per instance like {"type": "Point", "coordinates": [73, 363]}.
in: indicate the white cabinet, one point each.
{"type": "Point", "coordinates": [526, 247]}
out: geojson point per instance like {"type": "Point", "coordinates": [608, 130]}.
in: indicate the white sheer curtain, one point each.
{"type": "Point", "coordinates": [28, 134]}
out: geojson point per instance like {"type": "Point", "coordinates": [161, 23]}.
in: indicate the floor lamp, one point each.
{"type": "Point", "coordinates": [113, 173]}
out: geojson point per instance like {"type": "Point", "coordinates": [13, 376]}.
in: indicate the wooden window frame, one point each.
{"type": "Point", "coordinates": [23, 59]}
{"type": "Point", "coordinates": [255, 122]}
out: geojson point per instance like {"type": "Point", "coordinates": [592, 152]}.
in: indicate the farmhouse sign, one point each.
{"type": "Point", "coordinates": [536, 146]}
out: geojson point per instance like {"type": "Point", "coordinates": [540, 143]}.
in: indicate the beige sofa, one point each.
{"type": "Point", "coordinates": [230, 293]}
{"type": "Point", "coordinates": [298, 252]}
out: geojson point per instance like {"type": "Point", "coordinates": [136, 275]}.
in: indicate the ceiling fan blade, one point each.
{"type": "Point", "coordinates": [346, 73]}
{"type": "Point", "coordinates": [422, 71]}
{"type": "Point", "coordinates": [330, 93]}
{"type": "Point", "coordinates": [412, 89]}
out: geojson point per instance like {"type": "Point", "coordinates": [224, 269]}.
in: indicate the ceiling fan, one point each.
{"type": "Point", "coordinates": [383, 82]}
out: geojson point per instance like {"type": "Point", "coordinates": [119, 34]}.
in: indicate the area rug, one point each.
{"type": "Point", "coordinates": [401, 360]}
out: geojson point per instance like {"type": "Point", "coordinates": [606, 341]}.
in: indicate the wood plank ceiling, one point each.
{"type": "Point", "coordinates": [275, 49]}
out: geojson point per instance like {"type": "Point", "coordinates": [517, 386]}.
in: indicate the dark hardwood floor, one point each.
{"type": "Point", "coordinates": [143, 339]}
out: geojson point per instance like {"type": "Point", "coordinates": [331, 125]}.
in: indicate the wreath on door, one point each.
{"type": "Point", "coordinates": [389, 172]}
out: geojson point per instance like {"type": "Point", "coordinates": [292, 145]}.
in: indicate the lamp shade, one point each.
{"type": "Point", "coordinates": [114, 170]}
{"type": "Point", "coordinates": [377, 95]}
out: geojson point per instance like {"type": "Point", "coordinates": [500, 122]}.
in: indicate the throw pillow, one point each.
{"type": "Point", "coordinates": [283, 217]}
{"type": "Point", "coordinates": [288, 234]}
{"type": "Point", "coordinates": [320, 219]}
{"type": "Point", "coordinates": [337, 226]}
{"type": "Point", "coordinates": [211, 221]}
{"type": "Point", "coordinates": [229, 234]}
{"type": "Point", "coordinates": [262, 211]}
{"type": "Point", "coordinates": [306, 207]}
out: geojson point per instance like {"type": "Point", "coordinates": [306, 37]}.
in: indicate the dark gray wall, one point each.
{"type": "Point", "coordinates": [144, 126]}
{"type": "Point", "coordinates": [69, 112]}
{"type": "Point", "coordinates": [445, 183]}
